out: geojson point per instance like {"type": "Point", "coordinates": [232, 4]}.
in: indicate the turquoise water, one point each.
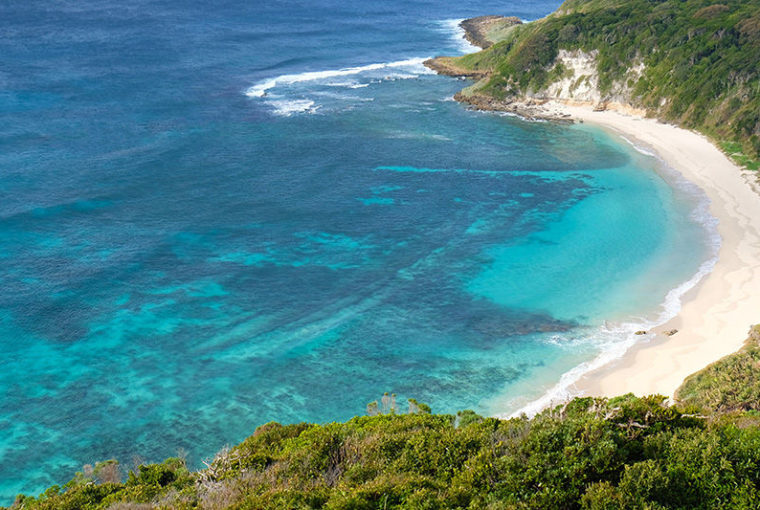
{"type": "Point", "coordinates": [215, 219]}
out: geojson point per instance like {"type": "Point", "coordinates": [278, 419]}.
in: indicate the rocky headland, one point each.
{"type": "Point", "coordinates": [477, 30]}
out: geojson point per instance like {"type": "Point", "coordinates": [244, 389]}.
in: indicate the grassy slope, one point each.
{"type": "Point", "coordinates": [702, 61]}
{"type": "Point", "coordinates": [730, 384]}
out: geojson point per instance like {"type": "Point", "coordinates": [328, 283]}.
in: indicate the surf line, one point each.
{"type": "Point", "coordinates": [261, 88]}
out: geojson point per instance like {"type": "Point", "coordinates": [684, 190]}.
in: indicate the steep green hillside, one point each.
{"type": "Point", "coordinates": [701, 61]}
{"type": "Point", "coordinates": [591, 453]}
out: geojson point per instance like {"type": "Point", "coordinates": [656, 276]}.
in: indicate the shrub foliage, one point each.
{"type": "Point", "coordinates": [592, 453]}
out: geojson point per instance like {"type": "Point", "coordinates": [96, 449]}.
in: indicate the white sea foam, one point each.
{"type": "Point", "coordinates": [351, 84]}
{"type": "Point", "coordinates": [287, 107]}
{"type": "Point", "coordinates": [343, 97]}
{"type": "Point", "coordinates": [408, 135]}
{"type": "Point", "coordinates": [346, 84]}
{"type": "Point", "coordinates": [400, 76]}
{"type": "Point", "coordinates": [414, 65]}
{"type": "Point", "coordinates": [614, 340]}
{"type": "Point", "coordinates": [451, 26]}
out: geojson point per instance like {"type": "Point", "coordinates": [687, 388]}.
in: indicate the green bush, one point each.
{"type": "Point", "coordinates": [592, 453]}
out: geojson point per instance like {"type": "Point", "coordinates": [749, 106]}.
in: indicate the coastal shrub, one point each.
{"type": "Point", "coordinates": [602, 496]}
{"type": "Point", "coordinates": [594, 453]}
{"type": "Point", "coordinates": [711, 11]}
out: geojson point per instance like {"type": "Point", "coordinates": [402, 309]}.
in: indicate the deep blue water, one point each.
{"type": "Point", "coordinates": [197, 237]}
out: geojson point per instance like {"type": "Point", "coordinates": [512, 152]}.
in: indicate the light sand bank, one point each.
{"type": "Point", "coordinates": [718, 312]}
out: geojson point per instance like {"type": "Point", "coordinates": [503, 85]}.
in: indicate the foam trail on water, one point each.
{"type": "Point", "coordinates": [287, 108]}
{"type": "Point", "coordinates": [260, 89]}
{"type": "Point", "coordinates": [350, 84]}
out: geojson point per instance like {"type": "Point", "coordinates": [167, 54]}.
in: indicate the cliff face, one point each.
{"type": "Point", "coordinates": [694, 63]}
{"type": "Point", "coordinates": [579, 81]}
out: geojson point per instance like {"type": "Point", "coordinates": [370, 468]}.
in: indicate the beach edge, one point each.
{"type": "Point", "coordinates": [717, 312]}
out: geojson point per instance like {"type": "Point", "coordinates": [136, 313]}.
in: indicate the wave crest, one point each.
{"type": "Point", "coordinates": [261, 88]}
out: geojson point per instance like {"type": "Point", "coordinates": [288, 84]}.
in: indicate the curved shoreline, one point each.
{"type": "Point", "coordinates": [640, 330]}
{"type": "Point", "coordinates": [717, 312]}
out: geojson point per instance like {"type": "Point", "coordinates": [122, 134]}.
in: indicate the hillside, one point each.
{"type": "Point", "coordinates": [695, 63]}
{"type": "Point", "coordinates": [625, 452]}
{"type": "Point", "coordinates": [591, 453]}
{"type": "Point", "coordinates": [729, 384]}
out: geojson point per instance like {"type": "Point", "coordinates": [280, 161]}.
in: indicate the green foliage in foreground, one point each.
{"type": "Point", "coordinates": [732, 383]}
{"type": "Point", "coordinates": [702, 60]}
{"type": "Point", "coordinates": [591, 453]}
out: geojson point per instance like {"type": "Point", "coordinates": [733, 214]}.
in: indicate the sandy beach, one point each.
{"type": "Point", "coordinates": [717, 313]}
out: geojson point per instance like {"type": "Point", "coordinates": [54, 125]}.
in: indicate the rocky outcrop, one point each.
{"type": "Point", "coordinates": [578, 85]}
{"type": "Point", "coordinates": [448, 67]}
{"type": "Point", "coordinates": [527, 108]}
{"type": "Point", "coordinates": [575, 82]}
{"type": "Point", "coordinates": [476, 30]}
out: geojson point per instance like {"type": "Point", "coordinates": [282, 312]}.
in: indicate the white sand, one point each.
{"type": "Point", "coordinates": [717, 314]}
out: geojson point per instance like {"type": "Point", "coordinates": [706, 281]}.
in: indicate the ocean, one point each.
{"type": "Point", "coordinates": [216, 217]}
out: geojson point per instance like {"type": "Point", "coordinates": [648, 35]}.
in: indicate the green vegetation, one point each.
{"type": "Point", "coordinates": [590, 453]}
{"type": "Point", "coordinates": [730, 384]}
{"type": "Point", "coordinates": [701, 61]}
{"type": "Point", "coordinates": [500, 30]}
{"type": "Point", "coordinates": [734, 151]}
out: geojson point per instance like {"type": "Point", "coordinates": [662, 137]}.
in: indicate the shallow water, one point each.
{"type": "Point", "coordinates": [216, 218]}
